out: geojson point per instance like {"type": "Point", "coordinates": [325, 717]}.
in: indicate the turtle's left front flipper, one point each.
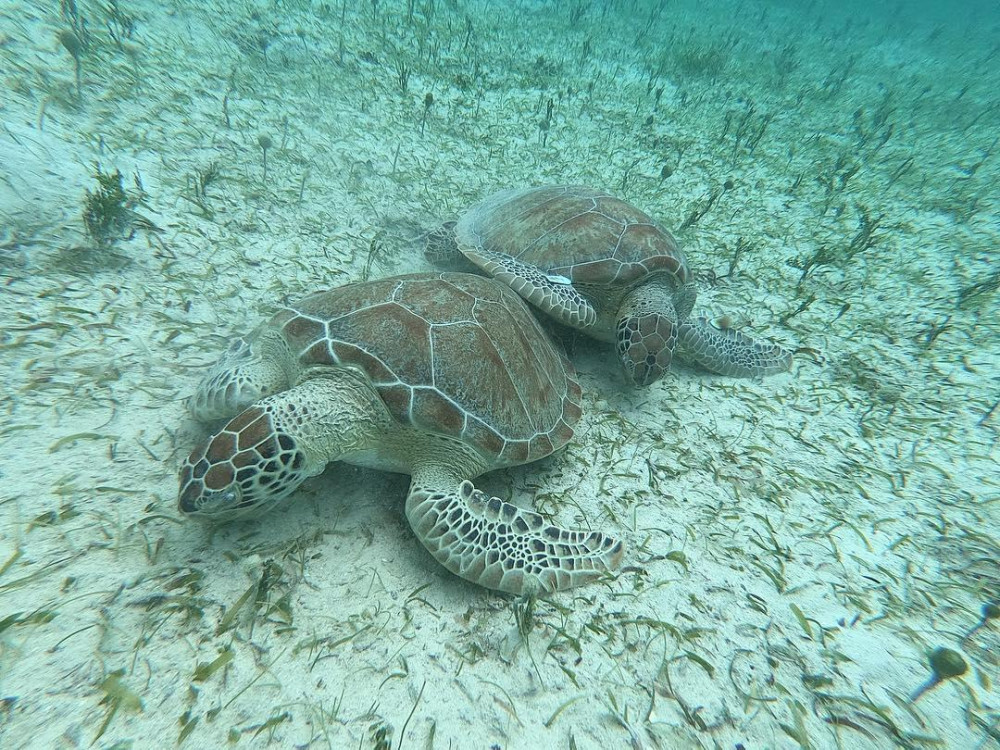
{"type": "Point", "coordinates": [726, 351]}
{"type": "Point", "coordinates": [500, 546]}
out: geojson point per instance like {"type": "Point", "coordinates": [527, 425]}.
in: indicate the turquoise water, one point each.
{"type": "Point", "coordinates": [801, 551]}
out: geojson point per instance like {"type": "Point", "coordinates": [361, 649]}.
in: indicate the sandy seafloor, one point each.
{"type": "Point", "coordinates": [796, 546]}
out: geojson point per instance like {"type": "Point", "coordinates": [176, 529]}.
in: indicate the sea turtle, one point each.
{"type": "Point", "coordinates": [598, 264]}
{"type": "Point", "coordinates": [443, 376]}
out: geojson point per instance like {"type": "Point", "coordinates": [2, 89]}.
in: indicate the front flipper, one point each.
{"type": "Point", "coordinates": [728, 352]}
{"type": "Point", "coordinates": [238, 379]}
{"type": "Point", "coordinates": [441, 249]}
{"type": "Point", "coordinates": [500, 546]}
{"type": "Point", "coordinates": [553, 295]}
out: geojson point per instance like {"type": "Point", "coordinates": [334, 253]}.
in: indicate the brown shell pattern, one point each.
{"type": "Point", "coordinates": [578, 232]}
{"type": "Point", "coordinates": [450, 353]}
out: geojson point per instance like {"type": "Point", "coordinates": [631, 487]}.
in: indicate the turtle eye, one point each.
{"type": "Point", "coordinates": [239, 347]}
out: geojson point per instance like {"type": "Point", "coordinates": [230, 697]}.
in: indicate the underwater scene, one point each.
{"type": "Point", "coordinates": [445, 374]}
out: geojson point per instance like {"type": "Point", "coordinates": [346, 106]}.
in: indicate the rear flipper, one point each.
{"type": "Point", "coordinates": [500, 546]}
{"type": "Point", "coordinates": [728, 352]}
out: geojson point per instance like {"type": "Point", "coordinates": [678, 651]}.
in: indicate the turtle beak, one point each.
{"type": "Point", "coordinates": [222, 506]}
{"type": "Point", "coordinates": [196, 499]}
{"type": "Point", "coordinates": [216, 505]}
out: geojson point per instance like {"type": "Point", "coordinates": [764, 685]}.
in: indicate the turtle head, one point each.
{"type": "Point", "coordinates": [646, 346]}
{"type": "Point", "coordinates": [245, 468]}
{"type": "Point", "coordinates": [648, 326]}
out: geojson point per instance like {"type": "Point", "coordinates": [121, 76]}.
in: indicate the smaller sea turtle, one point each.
{"type": "Point", "coordinates": [598, 264]}
{"type": "Point", "coordinates": [441, 376]}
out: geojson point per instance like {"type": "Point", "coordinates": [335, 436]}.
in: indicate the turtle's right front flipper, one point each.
{"type": "Point", "coordinates": [240, 377]}
{"type": "Point", "coordinates": [500, 546]}
{"type": "Point", "coordinates": [441, 249]}
{"type": "Point", "coordinates": [726, 351]}
{"type": "Point", "coordinates": [554, 296]}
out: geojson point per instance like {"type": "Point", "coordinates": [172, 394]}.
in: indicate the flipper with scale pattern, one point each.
{"type": "Point", "coordinates": [558, 299]}
{"type": "Point", "coordinates": [726, 351]}
{"type": "Point", "coordinates": [500, 546]}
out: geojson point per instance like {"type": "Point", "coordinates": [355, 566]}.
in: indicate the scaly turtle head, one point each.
{"type": "Point", "coordinates": [649, 320]}
{"type": "Point", "coordinates": [646, 346]}
{"type": "Point", "coordinates": [248, 466]}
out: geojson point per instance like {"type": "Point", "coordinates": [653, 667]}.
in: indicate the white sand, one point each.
{"type": "Point", "coordinates": [859, 492]}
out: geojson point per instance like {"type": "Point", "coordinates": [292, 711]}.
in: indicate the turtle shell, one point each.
{"type": "Point", "coordinates": [450, 353]}
{"type": "Point", "coordinates": [580, 233]}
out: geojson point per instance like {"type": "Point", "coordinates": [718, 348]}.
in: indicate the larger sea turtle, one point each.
{"type": "Point", "coordinates": [599, 264]}
{"type": "Point", "coordinates": [442, 376]}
